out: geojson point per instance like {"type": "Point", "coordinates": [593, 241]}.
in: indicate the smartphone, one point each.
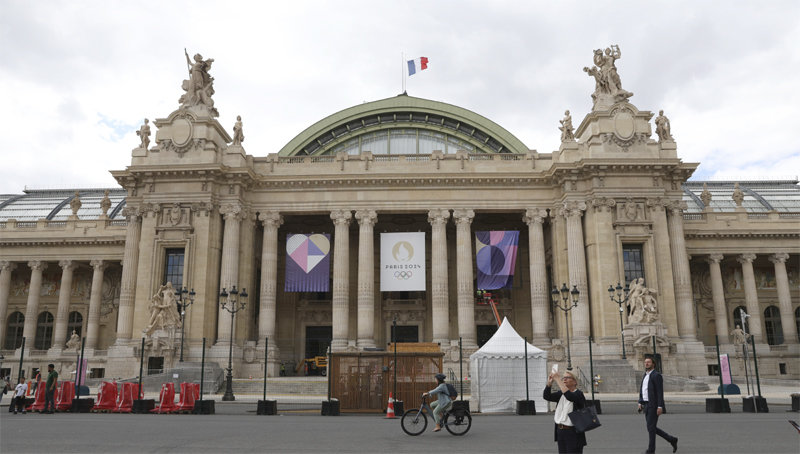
{"type": "Point", "coordinates": [554, 369]}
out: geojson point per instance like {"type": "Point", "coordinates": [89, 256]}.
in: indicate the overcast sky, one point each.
{"type": "Point", "coordinates": [78, 77]}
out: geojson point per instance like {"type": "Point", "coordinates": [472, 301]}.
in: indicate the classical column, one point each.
{"type": "Point", "coordinates": [130, 263]}
{"type": "Point", "coordinates": [229, 272]}
{"type": "Point", "coordinates": [784, 297]}
{"type": "Point", "coordinates": [6, 268]}
{"type": "Point", "coordinates": [32, 309]}
{"type": "Point", "coordinates": [718, 295]}
{"type": "Point", "coordinates": [60, 333]}
{"type": "Point", "coordinates": [540, 296]}
{"type": "Point", "coordinates": [341, 278]}
{"type": "Point", "coordinates": [687, 327]}
{"type": "Point", "coordinates": [576, 260]}
{"type": "Point", "coordinates": [439, 296]}
{"type": "Point", "coordinates": [464, 279]}
{"type": "Point", "coordinates": [366, 278]}
{"type": "Point", "coordinates": [271, 220]}
{"type": "Point", "coordinates": [95, 299]}
{"type": "Point", "coordinates": [751, 296]}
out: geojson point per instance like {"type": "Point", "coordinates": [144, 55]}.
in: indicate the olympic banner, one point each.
{"type": "Point", "coordinates": [308, 262]}
{"type": "Point", "coordinates": [496, 257]}
{"type": "Point", "coordinates": [725, 369]}
{"type": "Point", "coordinates": [402, 262]}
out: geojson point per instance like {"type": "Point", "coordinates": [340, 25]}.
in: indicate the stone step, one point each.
{"type": "Point", "coordinates": [296, 385]}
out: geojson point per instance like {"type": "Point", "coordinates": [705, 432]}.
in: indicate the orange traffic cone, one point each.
{"type": "Point", "coordinates": [390, 408]}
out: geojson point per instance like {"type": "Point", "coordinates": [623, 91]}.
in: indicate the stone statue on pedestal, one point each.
{"type": "Point", "coordinates": [200, 85]}
{"type": "Point", "coordinates": [75, 204]}
{"type": "Point", "coordinates": [74, 341]}
{"type": "Point", "coordinates": [238, 135]}
{"type": "Point", "coordinates": [608, 86]}
{"type": "Point", "coordinates": [642, 303]}
{"type": "Point", "coordinates": [163, 310]}
{"type": "Point", "coordinates": [662, 127]}
{"type": "Point", "coordinates": [567, 134]}
{"type": "Point", "coordinates": [738, 336]}
{"type": "Point", "coordinates": [738, 195]}
{"type": "Point", "coordinates": [144, 134]}
{"type": "Point", "coordinates": [105, 204]}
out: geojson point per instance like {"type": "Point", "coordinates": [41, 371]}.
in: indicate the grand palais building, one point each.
{"type": "Point", "coordinates": [302, 229]}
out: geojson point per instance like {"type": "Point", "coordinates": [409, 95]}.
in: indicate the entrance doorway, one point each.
{"type": "Point", "coordinates": [318, 339]}
{"type": "Point", "coordinates": [405, 333]}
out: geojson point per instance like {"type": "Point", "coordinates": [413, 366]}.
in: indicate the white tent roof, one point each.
{"type": "Point", "coordinates": [507, 343]}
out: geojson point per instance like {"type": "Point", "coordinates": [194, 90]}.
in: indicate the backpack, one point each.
{"type": "Point", "coordinates": [451, 391]}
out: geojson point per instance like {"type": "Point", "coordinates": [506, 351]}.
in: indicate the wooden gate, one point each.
{"type": "Point", "coordinates": [362, 381]}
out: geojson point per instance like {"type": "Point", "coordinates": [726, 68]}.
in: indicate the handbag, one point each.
{"type": "Point", "coordinates": [584, 419]}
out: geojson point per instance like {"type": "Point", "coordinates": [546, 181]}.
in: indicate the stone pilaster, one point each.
{"type": "Point", "coordinates": [271, 220]}
{"type": "Point", "coordinates": [366, 278]}
{"type": "Point", "coordinates": [95, 299]}
{"type": "Point", "coordinates": [229, 272]}
{"type": "Point", "coordinates": [6, 268]}
{"type": "Point", "coordinates": [62, 314]}
{"type": "Point", "coordinates": [751, 297]}
{"type": "Point", "coordinates": [687, 327]}
{"type": "Point", "coordinates": [572, 211]}
{"type": "Point", "coordinates": [540, 296]}
{"type": "Point", "coordinates": [341, 278]}
{"type": "Point", "coordinates": [718, 295]}
{"type": "Point", "coordinates": [784, 297]}
{"type": "Point", "coordinates": [464, 278]}
{"type": "Point", "coordinates": [130, 264]}
{"type": "Point", "coordinates": [440, 305]}
{"type": "Point", "coordinates": [32, 308]}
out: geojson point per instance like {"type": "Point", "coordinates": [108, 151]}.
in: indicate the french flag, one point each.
{"type": "Point", "coordinates": [417, 64]}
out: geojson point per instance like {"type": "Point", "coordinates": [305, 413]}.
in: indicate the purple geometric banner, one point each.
{"type": "Point", "coordinates": [308, 262]}
{"type": "Point", "coordinates": [495, 257]}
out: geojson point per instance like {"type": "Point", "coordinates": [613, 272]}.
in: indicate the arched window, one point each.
{"type": "Point", "coordinates": [14, 329]}
{"type": "Point", "coordinates": [772, 323]}
{"type": "Point", "coordinates": [737, 319]}
{"type": "Point", "coordinates": [75, 322]}
{"type": "Point", "coordinates": [44, 331]}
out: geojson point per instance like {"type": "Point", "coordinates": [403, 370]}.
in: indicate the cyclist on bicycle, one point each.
{"type": "Point", "coordinates": [442, 403]}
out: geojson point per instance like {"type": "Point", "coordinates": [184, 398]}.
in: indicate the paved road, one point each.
{"type": "Point", "coordinates": [236, 428]}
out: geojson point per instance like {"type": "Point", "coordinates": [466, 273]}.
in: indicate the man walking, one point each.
{"type": "Point", "coordinates": [50, 389]}
{"type": "Point", "coordinates": [651, 400]}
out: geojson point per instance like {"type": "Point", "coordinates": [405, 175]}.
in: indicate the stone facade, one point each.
{"type": "Point", "coordinates": [576, 208]}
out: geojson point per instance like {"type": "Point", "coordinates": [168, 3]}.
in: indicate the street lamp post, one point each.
{"type": "Point", "coordinates": [183, 304]}
{"type": "Point", "coordinates": [232, 302]}
{"type": "Point", "coordinates": [621, 300]}
{"type": "Point", "coordinates": [561, 300]}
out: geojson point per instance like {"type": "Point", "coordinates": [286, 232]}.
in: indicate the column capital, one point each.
{"type": "Point", "coordinates": [572, 208]}
{"type": "Point", "coordinates": [655, 203]}
{"type": "Point", "coordinates": [746, 258]}
{"type": "Point", "coordinates": [98, 264]}
{"type": "Point", "coordinates": [715, 258]}
{"type": "Point", "coordinates": [438, 216]}
{"type": "Point", "coordinates": [677, 207]}
{"type": "Point", "coordinates": [534, 216]}
{"type": "Point", "coordinates": [37, 265]}
{"type": "Point", "coordinates": [463, 216]}
{"type": "Point", "coordinates": [779, 257]}
{"type": "Point", "coordinates": [68, 264]}
{"type": "Point", "coordinates": [271, 219]}
{"type": "Point", "coordinates": [341, 217]}
{"type": "Point", "coordinates": [232, 211]}
{"type": "Point", "coordinates": [6, 265]}
{"type": "Point", "coordinates": [602, 203]}
{"type": "Point", "coordinates": [131, 212]}
{"type": "Point", "coordinates": [367, 217]}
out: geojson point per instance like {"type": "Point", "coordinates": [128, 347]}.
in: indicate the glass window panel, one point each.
{"type": "Point", "coordinates": [633, 262]}
{"type": "Point", "coordinates": [431, 141]}
{"type": "Point", "coordinates": [376, 142]}
{"type": "Point", "coordinates": [772, 324]}
{"type": "Point", "coordinates": [14, 329]}
{"type": "Point", "coordinates": [44, 331]}
{"type": "Point", "coordinates": [173, 267]}
{"type": "Point", "coordinates": [403, 141]}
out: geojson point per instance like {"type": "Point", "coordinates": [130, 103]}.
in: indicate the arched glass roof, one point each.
{"type": "Point", "coordinates": [53, 204]}
{"type": "Point", "coordinates": [403, 125]}
{"type": "Point", "coordinates": [759, 196]}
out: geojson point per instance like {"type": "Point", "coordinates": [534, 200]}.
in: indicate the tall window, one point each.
{"type": "Point", "coordinates": [737, 319]}
{"type": "Point", "coordinates": [14, 329]}
{"type": "Point", "coordinates": [633, 261]}
{"type": "Point", "coordinates": [74, 322]}
{"type": "Point", "coordinates": [772, 323]}
{"type": "Point", "coordinates": [44, 331]}
{"type": "Point", "coordinates": [173, 267]}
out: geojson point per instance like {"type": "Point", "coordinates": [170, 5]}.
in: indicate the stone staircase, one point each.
{"type": "Point", "coordinates": [296, 385]}
{"type": "Point", "coordinates": [618, 376]}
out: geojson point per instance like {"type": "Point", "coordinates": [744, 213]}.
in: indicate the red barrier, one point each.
{"type": "Point", "coordinates": [106, 397]}
{"type": "Point", "coordinates": [38, 403]}
{"type": "Point", "coordinates": [166, 399]}
{"type": "Point", "coordinates": [66, 392]}
{"type": "Point", "coordinates": [128, 393]}
{"type": "Point", "coordinates": [188, 395]}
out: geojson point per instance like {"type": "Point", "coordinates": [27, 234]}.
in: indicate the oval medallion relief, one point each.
{"type": "Point", "coordinates": [181, 132]}
{"type": "Point", "coordinates": [623, 124]}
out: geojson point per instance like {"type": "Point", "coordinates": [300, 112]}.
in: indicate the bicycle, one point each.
{"type": "Point", "coordinates": [457, 421]}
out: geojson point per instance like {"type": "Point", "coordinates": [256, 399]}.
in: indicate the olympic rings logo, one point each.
{"type": "Point", "coordinates": [404, 275]}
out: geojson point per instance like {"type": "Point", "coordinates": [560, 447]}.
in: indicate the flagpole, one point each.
{"type": "Point", "coordinates": [402, 73]}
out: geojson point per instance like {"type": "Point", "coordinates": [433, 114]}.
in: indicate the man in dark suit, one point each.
{"type": "Point", "coordinates": [651, 400]}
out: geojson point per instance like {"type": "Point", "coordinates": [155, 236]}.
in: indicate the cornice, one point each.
{"type": "Point", "coordinates": [55, 242]}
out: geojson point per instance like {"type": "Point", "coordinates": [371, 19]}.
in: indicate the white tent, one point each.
{"type": "Point", "coordinates": [498, 372]}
